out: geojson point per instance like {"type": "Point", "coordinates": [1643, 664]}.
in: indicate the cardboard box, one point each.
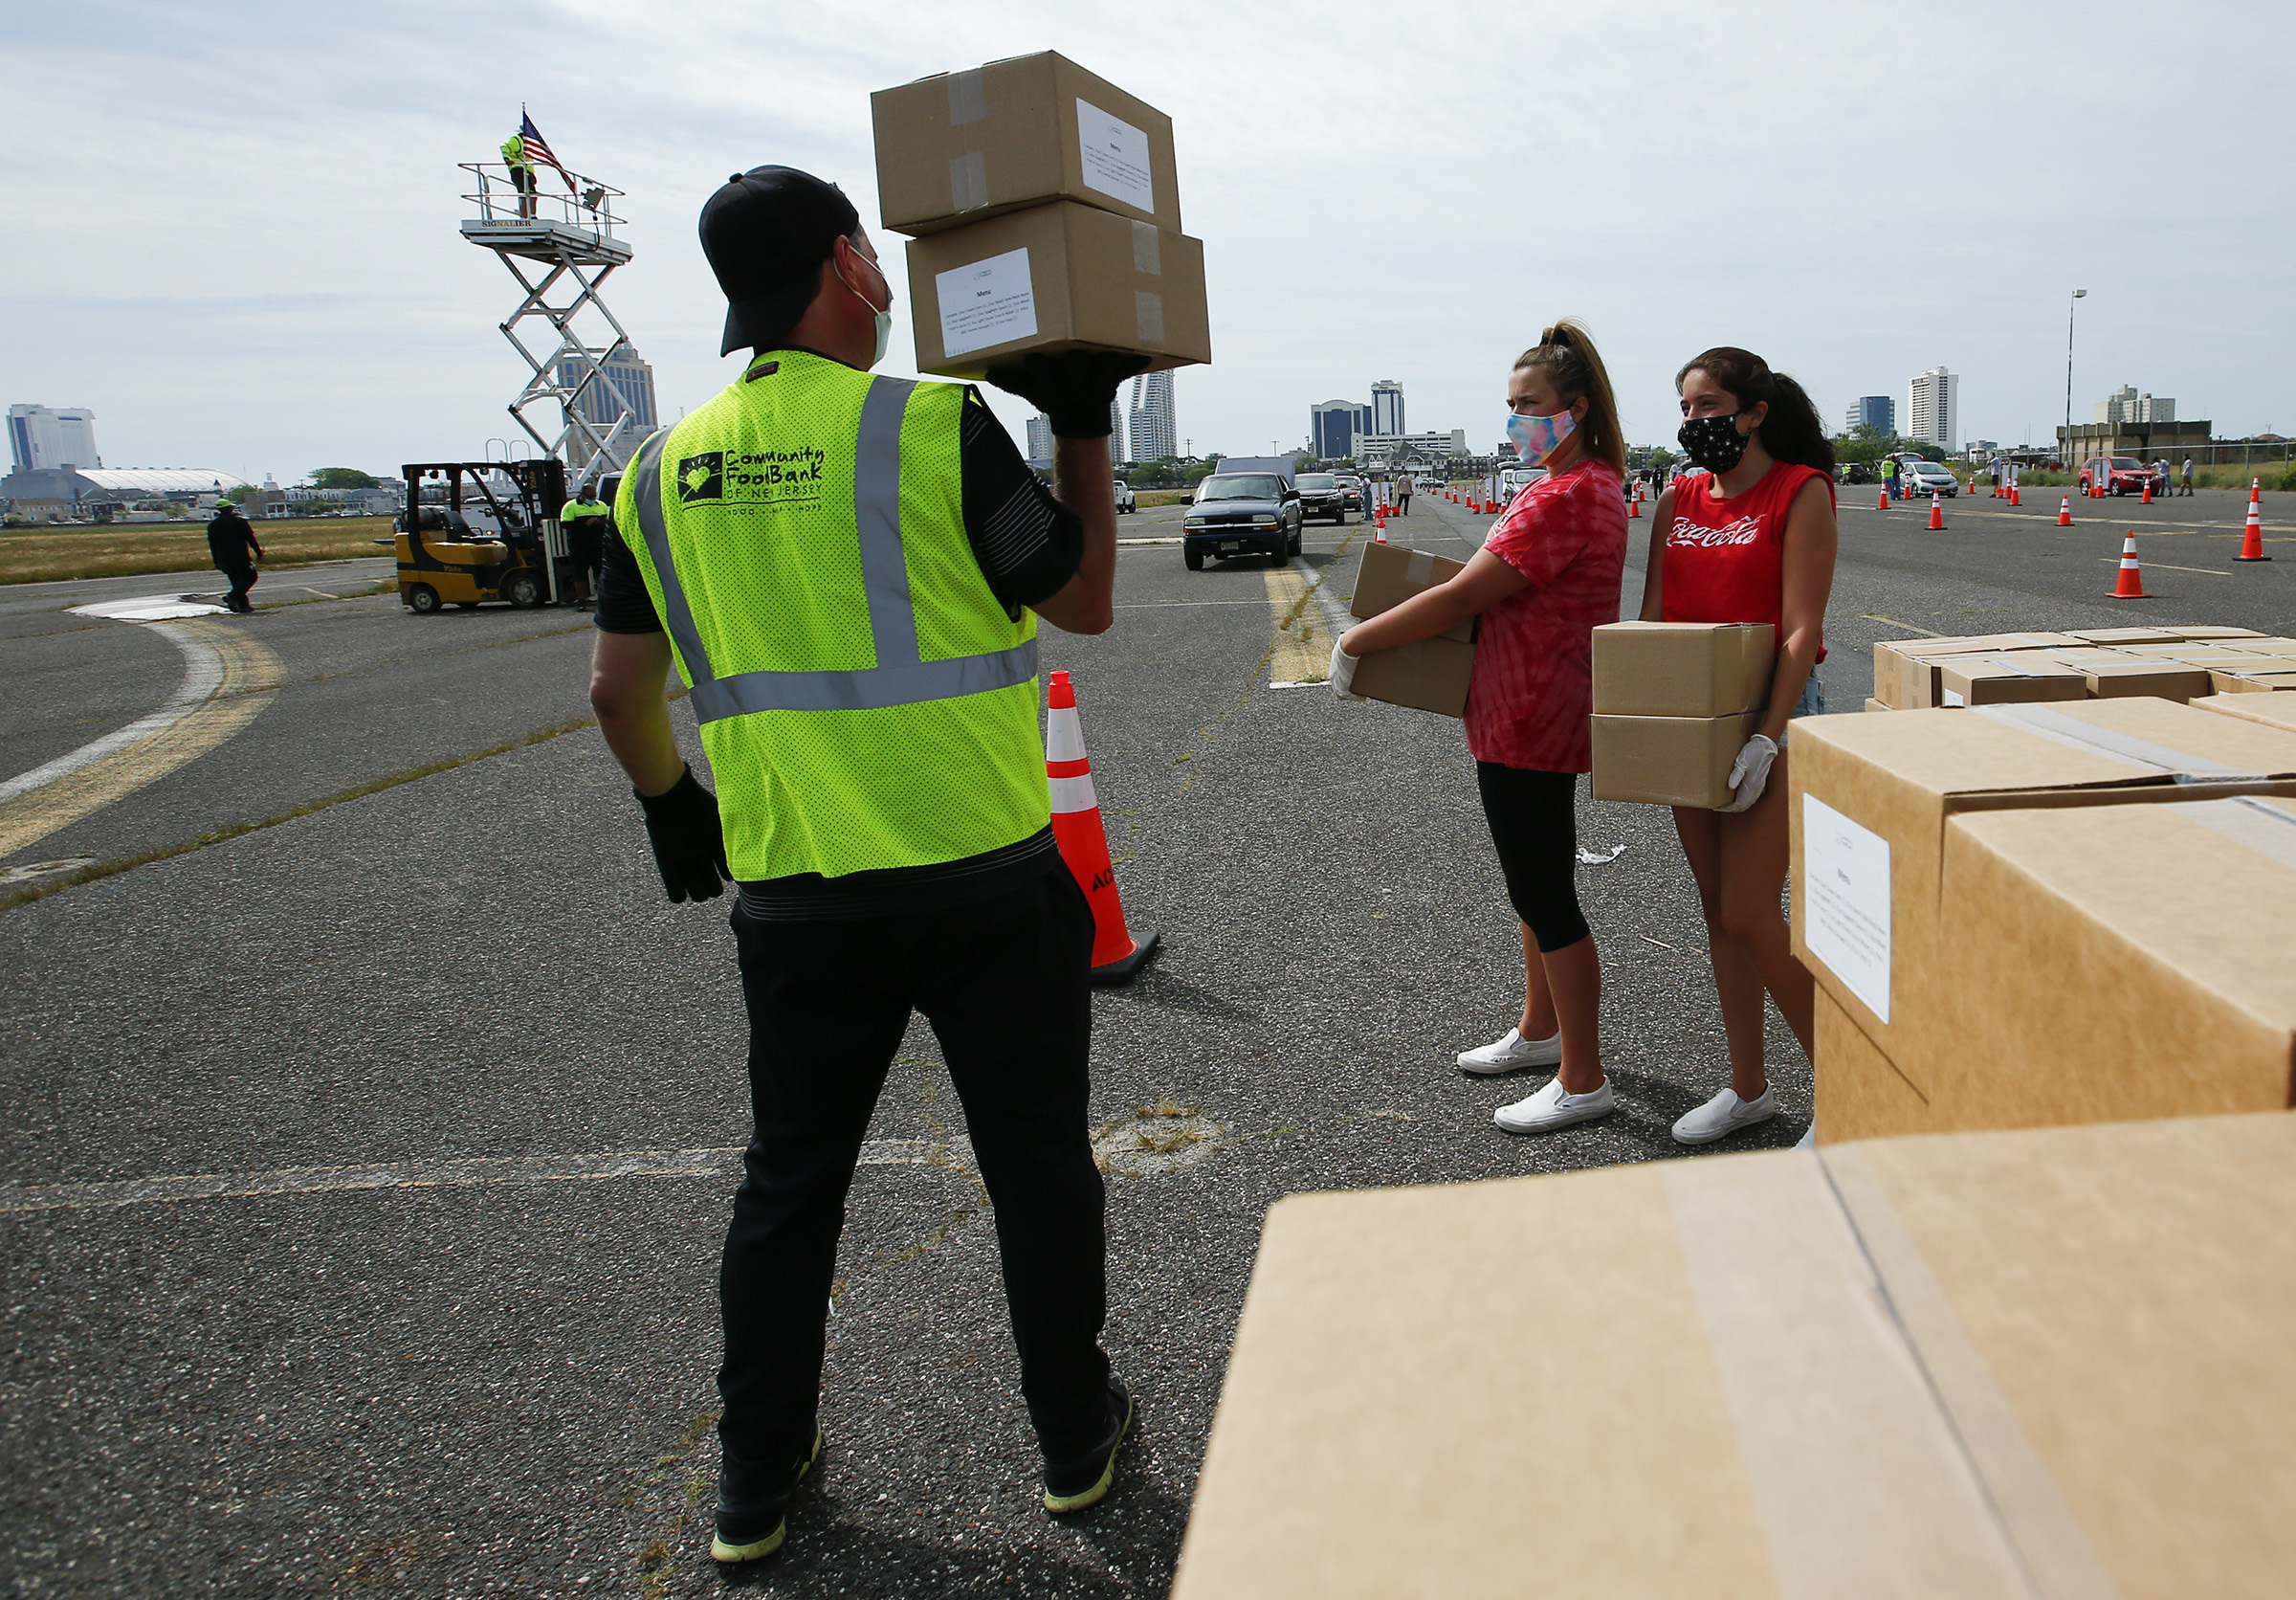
{"type": "Point", "coordinates": [1670, 761]}
{"type": "Point", "coordinates": [1872, 704]}
{"type": "Point", "coordinates": [962, 145]}
{"type": "Point", "coordinates": [2006, 680]}
{"type": "Point", "coordinates": [2250, 682]}
{"type": "Point", "coordinates": [2112, 962]}
{"type": "Point", "coordinates": [1871, 800]}
{"type": "Point", "coordinates": [1432, 674]}
{"type": "Point", "coordinates": [2273, 710]}
{"type": "Point", "coordinates": [2129, 635]}
{"type": "Point", "coordinates": [1859, 1092]}
{"type": "Point", "coordinates": [2043, 1363]}
{"type": "Point", "coordinates": [1904, 670]}
{"type": "Point", "coordinates": [2168, 680]}
{"type": "Point", "coordinates": [2268, 647]}
{"type": "Point", "coordinates": [2215, 632]}
{"type": "Point", "coordinates": [1059, 278]}
{"type": "Point", "coordinates": [1683, 669]}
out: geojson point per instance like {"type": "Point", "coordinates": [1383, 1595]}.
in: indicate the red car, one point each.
{"type": "Point", "coordinates": [2122, 475]}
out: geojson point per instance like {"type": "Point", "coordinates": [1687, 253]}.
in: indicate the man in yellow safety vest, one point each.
{"type": "Point", "coordinates": [847, 569]}
{"type": "Point", "coordinates": [521, 170]}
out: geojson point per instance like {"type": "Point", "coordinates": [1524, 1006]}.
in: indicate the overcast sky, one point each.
{"type": "Point", "coordinates": [235, 224]}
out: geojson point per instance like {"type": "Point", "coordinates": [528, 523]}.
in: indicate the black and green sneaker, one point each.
{"type": "Point", "coordinates": [1074, 1484]}
{"type": "Point", "coordinates": [753, 1505]}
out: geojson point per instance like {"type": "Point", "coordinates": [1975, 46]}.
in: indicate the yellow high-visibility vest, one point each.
{"type": "Point", "coordinates": [863, 699]}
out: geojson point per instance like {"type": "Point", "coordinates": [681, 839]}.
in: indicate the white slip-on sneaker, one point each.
{"type": "Point", "coordinates": [1512, 1052]}
{"type": "Point", "coordinates": [1553, 1107]}
{"type": "Point", "coordinates": [1724, 1115]}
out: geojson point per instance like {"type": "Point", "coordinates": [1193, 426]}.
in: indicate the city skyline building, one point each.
{"type": "Point", "coordinates": [1877, 411]}
{"type": "Point", "coordinates": [1152, 431]}
{"type": "Point", "coordinates": [1934, 407]}
{"type": "Point", "coordinates": [1335, 426]}
{"type": "Point", "coordinates": [1040, 440]}
{"type": "Point", "coordinates": [2125, 405]}
{"type": "Point", "coordinates": [1387, 408]}
{"type": "Point", "coordinates": [1116, 430]}
{"type": "Point", "coordinates": [600, 406]}
{"type": "Point", "coordinates": [50, 438]}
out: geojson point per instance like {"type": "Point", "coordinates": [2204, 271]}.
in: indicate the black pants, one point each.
{"type": "Point", "coordinates": [1535, 827]}
{"type": "Point", "coordinates": [1004, 983]}
{"type": "Point", "coordinates": [243, 579]}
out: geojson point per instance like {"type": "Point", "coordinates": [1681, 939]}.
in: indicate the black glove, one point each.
{"type": "Point", "coordinates": [1075, 387]}
{"type": "Point", "coordinates": [689, 846]}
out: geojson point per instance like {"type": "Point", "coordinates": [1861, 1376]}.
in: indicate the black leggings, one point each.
{"type": "Point", "coordinates": [1535, 826]}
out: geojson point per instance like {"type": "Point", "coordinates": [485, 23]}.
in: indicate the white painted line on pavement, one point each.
{"type": "Point", "coordinates": [2210, 571]}
{"type": "Point", "coordinates": [203, 676]}
{"type": "Point", "coordinates": [709, 1162]}
{"type": "Point", "coordinates": [149, 607]}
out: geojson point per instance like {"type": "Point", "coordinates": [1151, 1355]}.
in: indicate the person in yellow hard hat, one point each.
{"type": "Point", "coordinates": [521, 170]}
{"type": "Point", "coordinates": [848, 571]}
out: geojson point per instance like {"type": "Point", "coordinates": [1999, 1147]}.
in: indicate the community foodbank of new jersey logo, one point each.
{"type": "Point", "coordinates": [761, 478]}
{"type": "Point", "coordinates": [701, 478]}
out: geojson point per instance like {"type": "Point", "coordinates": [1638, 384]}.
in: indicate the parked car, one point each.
{"type": "Point", "coordinates": [1242, 514]}
{"type": "Point", "coordinates": [2121, 475]}
{"type": "Point", "coordinates": [1514, 479]}
{"type": "Point", "coordinates": [1126, 500]}
{"type": "Point", "coordinates": [1351, 487]}
{"type": "Point", "coordinates": [1321, 498]}
{"type": "Point", "coordinates": [1853, 472]}
{"type": "Point", "coordinates": [1920, 478]}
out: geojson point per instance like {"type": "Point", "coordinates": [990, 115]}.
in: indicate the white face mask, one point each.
{"type": "Point", "coordinates": [884, 316]}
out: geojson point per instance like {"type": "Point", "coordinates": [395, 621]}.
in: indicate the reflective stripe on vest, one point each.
{"type": "Point", "coordinates": [900, 677]}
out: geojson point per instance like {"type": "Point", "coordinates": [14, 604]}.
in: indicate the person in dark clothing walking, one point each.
{"type": "Point", "coordinates": [230, 539]}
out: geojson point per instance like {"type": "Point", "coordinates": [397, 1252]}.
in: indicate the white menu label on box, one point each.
{"type": "Point", "coordinates": [986, 303]}
{"type": "Point", "coordinates": [1845, 900]}
{"type": "Point", "coordinates": [1115, 157]}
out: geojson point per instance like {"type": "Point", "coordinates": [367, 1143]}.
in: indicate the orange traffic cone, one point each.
{"type": "Point", "coordinates": [1936, 512]}
{"type": "Point", "coordinates": [2014, 498]}
{"type": "Point", "coordinates": [1116, 955]}
{"type": "Point", "coordinates": [2148, 500]}
{"type": "Point", "coordinates": [1379, 528]}
{"type": "Point", "coordinates": [1634, 507]}
{"type": "Point", "coordinates": [2252, 540]}
{"type": "Point", "coordinates": [2064, 512]}
{"type": "Point", "coordinates": [2132, 585]}
{"type": "Point", "coordinates": [1885, 502]}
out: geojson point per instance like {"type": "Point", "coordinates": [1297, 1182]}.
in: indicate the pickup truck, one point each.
{"type": "Point", "coordinates": [1126, 500]}
{"type": "Point", "coordinates": [1243, 510]}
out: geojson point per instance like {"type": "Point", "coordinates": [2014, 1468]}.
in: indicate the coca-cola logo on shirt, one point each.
{"type": "Point", "coordinates": [1744, 531]}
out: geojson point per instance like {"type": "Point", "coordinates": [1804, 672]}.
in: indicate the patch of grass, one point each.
{"type": "Point", "coordinates": [123, 549]}
{"type": "Point", "coordinates": [1165, 1106]}
{"type": "Point", "coordinates": [1161, 497]}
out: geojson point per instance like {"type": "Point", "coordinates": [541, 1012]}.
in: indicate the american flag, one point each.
{"type": "Point", "coordinates": [539, 148]}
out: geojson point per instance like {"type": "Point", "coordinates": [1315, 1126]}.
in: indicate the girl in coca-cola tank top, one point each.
{"type": "Point", "coordinates": [1752, 539]}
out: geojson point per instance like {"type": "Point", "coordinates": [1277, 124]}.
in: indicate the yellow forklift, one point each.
{"type": "Point", "coordinates": [475, 531]}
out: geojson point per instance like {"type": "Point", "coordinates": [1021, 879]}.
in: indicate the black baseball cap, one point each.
{"type": "Point", "coordinates": [766, 233]}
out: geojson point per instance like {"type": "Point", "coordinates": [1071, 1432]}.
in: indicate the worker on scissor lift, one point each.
{"type": "Point", "coordinates": [521, 170]}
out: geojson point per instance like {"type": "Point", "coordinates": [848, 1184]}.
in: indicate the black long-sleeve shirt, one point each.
{"type": "Point", "coordinates": [230, 539]}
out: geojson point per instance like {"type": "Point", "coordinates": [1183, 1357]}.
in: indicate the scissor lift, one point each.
{"type": "Point", "coordinates": [570, 242]}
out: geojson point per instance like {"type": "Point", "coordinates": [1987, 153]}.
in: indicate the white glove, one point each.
{"type": "Point", "coordinates": [1749, 772]}
{"type": "Point", "coordinates": [1343, 674]}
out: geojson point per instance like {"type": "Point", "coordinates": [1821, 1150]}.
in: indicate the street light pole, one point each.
{"type": "Point", "coordinates": [2069, 306]}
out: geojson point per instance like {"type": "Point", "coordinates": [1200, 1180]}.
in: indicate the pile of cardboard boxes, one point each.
{"type": "Point", "coordinates": [2040, 1350]}
{"type": "Point", "coordinates": [2102, 663]}
{"type": "Point", "coordinates": [1044, 208]}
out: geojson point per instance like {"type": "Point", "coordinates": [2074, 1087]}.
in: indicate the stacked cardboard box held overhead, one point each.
{"type": "Point", "coordinates": [2105, 664]}
{"type": "Point", "coordinates": [1045, 205]}
{"type": "Point", "coordinates": [1675, 704]}
{"type": "Point", "coordinates": [2021, 915]}
{"type": "Point", "coordinates": [1989, 1365]}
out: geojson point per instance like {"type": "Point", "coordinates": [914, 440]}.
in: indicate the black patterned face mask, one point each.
{"type": "Point", "coordinates": [1713, 442]}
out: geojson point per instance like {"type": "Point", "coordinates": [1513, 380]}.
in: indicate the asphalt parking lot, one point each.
{"type": "Point", "coordinates": [370, 1138]}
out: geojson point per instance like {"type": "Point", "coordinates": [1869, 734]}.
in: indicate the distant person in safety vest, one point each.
{"type": "Point", "coordinates": [585, 519]}
{"type": "Point", "coordinates": [848, 569]}
{"type": "Point", "coordinates": [521, 170]}
{"type": "Point", "coordinates": [230, 540]}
